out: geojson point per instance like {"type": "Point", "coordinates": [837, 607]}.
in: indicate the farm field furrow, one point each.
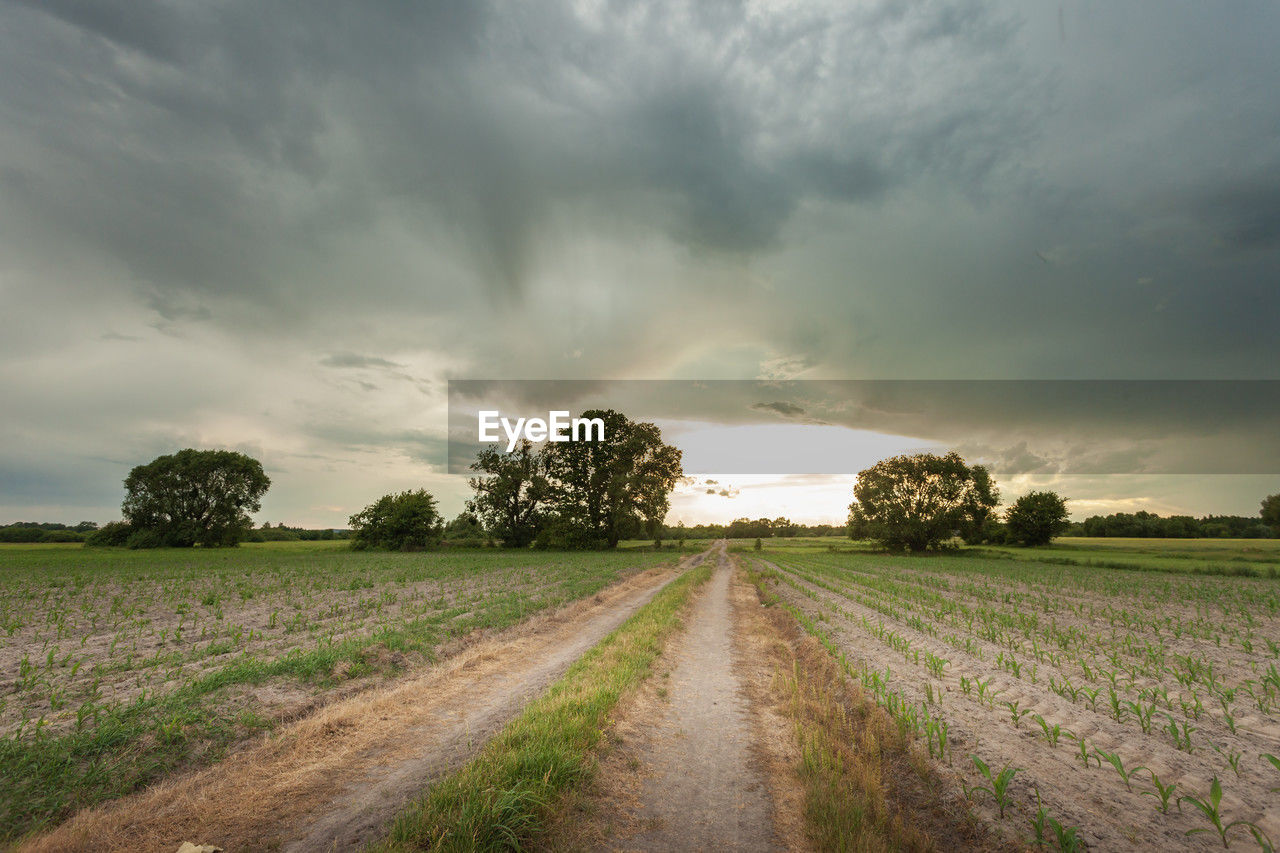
{"type": "Point", "coordinates": [118, 667]}
{"type": "Point", "coordinates": [1016, 669]}
{"type": "Point", "coordinates": [336, 779]}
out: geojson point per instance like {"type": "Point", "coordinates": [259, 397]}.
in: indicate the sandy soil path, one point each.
{"type": "Point", "coordinates": [334, 781]}
{"type": "Point", "coordinates": [702, 791]}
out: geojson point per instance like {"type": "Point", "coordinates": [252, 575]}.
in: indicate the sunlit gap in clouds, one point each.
{"type": "Point", "coordinates": [718, 489]}
{"type": "Point", "coordinates": [797, 448]}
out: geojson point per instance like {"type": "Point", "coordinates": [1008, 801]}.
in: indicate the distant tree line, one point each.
{"type": "Point", "coordinates": [595, 493]}
{"type": "Point", "coordinates": [758, 528]}
{"type": "Point", "coordinates": [44, 531]}
{"type": "Point", "coordinates": [1148, 525]}
{"type": "Point", "coordinates": [283, 533]}
{"type": "Point", "coordinates": [923, 501]}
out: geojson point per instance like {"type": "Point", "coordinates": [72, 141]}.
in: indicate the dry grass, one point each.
{"type": "Point", "coordinates": [865, 786]}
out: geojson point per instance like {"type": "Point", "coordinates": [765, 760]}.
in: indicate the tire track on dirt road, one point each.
{"type": "Point", "coordinates": [702, 788]}
{"type": "Point", "coordinates": [335, 780]}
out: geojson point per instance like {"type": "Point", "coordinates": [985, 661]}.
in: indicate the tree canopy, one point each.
{"type": "Point", "coordinates": [582, 493]}
{"type": "Point", "coordinates": [919, 501]}
{"type": "Point", "coordinates": [193, 497]}
{"type": "Point", "coordinates": [1036, 517]}
{"type": "Point", "coordinates": [509, 502]}
{"type": "Point", "coordinates": [407, 521]}
{"type": "Point", "coordinates": [1271, 512]}
{"type": "Point", "coordinates": [616, 486]}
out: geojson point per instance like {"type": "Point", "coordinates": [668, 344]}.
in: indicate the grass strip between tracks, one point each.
{"type": "Point", "coordinates": [506, 795]}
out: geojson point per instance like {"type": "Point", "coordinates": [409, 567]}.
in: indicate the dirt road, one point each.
{"type": "Point", "coordinates": [701, 788]}
{"type": "Point", "coordinates": [337, 778]}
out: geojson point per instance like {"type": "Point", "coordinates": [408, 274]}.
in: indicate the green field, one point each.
{"type": "Point", "coordinates": [118, 666]}
{"type": "Point", "coordinates": [1238, 557]}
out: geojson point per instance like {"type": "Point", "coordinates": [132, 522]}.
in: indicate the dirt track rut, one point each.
{"type": "Point", "coordinates": [701, 790]}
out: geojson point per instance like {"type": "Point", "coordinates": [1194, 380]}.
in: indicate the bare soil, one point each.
{"type": "Point", "coordinates": [335, 779]}
{"type": "Point", "coordinates": [687, 772]}
{"type": "Point", "coordinates": [155, 650]}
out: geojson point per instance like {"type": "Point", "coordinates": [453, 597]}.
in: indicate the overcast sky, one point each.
{"type": "Point", "coordinates": [282, 227]}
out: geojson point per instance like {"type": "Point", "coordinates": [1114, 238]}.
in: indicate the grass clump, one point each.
{"type": "Point", "coordinates": [504, 798]}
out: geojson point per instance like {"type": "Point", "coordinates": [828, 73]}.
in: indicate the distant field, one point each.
{"type": "Point", "coordinates": [1255, 557]}
{"type": "Point", "coordinates": [117, 666]}
{"type": "Point", "coordinates": [1075, 675]}
{"type": "Point", "coordinates": [1247, 557]}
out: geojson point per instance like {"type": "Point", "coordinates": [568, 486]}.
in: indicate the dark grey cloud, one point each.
{"type": "Point", "coordinates": [1017, 427]}
{"type": "Point", "coordinates": [355, 360]}
{"type": "Point", "coordinates": [576, 190]}
{"type": "Point", "coordinates": [780, 407]}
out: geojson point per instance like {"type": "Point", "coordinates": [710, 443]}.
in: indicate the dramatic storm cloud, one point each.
{"type": "Point", "coordinates": [280, 228]}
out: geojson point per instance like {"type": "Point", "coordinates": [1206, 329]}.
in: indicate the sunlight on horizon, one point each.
{"type": "Point", "coordinates": [792, 448]}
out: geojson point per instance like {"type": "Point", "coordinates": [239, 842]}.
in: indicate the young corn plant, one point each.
{"type": "Point", "coordinates": [1040, 823]}
{"type": "Point", "coordinates": [1117, 707]}
{"type": "Point", "coordinates": [1143, 712]}
{"type": "Point", "coordinates": [1085, 754]}
{"type": "Point", "coordinates": [1016, 712]}
{"type": "Point", "coordinates": [1115, 761]}
{"type": "Point", "coordinates": [1163, 792]}
{"type": "Point", "coordinates": [936, 737]}
{"type": "Point", "coordinates": [1275, 762]}
{"type": "Point", "coordinates": [1052, 733]}
{"type": "Point", "coordinates": [997, 783]}
{"type": "Point", "coordinates": [1210, 807]}
{"type": "Point", "coordinates": [1181, 739]}
{"type": "Point", "coordinates": [1067, 837]}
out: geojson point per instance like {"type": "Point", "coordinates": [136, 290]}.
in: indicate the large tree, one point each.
{"type": "Point", "coordinates": [917, 502]}
{"type": "Point", "coordinates": [619, 485]}
{"type": "Point", "coordinates": [1036, 517]}
{"type": "Point", "coordinates": [510, 501]}
{"type": "Point", "coordinates": [1271, 512]}
{"type": "Point", "coordinates": [194, 497]}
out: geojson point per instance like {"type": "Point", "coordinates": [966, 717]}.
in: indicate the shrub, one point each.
{"type": "Point", "coordinates": [116, 534]}
{"type": "Point", "coordinates": [147, 537]}
{"type": "Point", "coordinates": [407, 521]}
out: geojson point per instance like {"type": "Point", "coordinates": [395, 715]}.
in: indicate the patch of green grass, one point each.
{"type": "Point", "coordinates": [504, 797]}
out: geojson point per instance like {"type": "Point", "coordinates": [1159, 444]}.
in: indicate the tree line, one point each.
{"type": "Point", "coordinates": [587, 494]}
{"type": "Point", "coordinates": [924, 501]}
{"type": "Point", "coordinates": [1145, 525]}
{"type": "Point", "coordinates": [576, 494]}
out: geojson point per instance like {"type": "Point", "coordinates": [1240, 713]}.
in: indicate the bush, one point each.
{"type": "Point", "coordinates": [563, 535]}
{"type": "Point", "coordinates": [116, 534]}
{"type": "Point", "coordinates": [407, 521]}
{"type": "Point", "coordinates": [145, 538]}
{"type": "Point", "coordinates": [62, 536]}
